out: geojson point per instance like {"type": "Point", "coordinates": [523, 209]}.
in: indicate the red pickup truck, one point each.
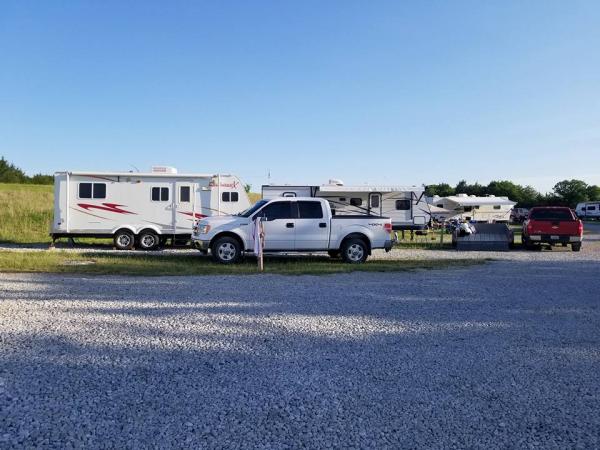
{"type": "Point", "coordinates": [552, 225]}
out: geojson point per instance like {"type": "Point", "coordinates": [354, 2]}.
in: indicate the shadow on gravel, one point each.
{"type": "Point", "coordinates": [503, 355]}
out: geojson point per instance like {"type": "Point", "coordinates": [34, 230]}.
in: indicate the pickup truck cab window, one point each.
{"type": "Point", "coordinates": [277, 210]}
{"type": "Point", "coordinates": [310, 210]}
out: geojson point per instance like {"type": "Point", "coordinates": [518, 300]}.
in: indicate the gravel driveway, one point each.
{"type": "Point", "coordinates": [505, 354]}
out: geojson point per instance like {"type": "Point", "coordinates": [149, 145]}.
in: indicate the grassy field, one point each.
{"type": "Point", "coordinates": [153, 265]}
{"type": "Point", "coordinates": [25, 213]}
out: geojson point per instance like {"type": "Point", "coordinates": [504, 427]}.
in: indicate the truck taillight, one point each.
{"type": "Point", "coordinates": [388, 227]}
{"type": "Point", "coordinates": [529, 228]}
{"type": "Point", "coordinates": [580, 228]}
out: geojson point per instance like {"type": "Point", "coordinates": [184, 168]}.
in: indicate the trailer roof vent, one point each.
{"type": "Point", "coordinates": [335, 182]}
{"type": "Point", "coordinates": [461, 195]}
{"type": "Point", "coordinates": [163, 169]}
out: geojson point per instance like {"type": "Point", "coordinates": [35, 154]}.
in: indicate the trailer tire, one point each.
{"type": "Point", "coordinates": [124, 240]}
{"type": "Point", "coordinates": [354, 251]}
{"type": "Point", "coordinates": [226, 250]}
{"type": "Point", "coordinates": [148, 240]}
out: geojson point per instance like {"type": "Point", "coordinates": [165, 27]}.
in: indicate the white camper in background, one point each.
{"type": "Point", "coordinates": [473, 208]}
{"type": "Point", "coordinates": [405, 205]}
{"type": "Point", "coordinates": [141, 209]}
{"type": "Point", "coordinates": [588, 210]}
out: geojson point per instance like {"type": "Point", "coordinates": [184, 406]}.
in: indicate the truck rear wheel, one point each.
{"type": "Point", "coordinates": [576, 247]}
{"type": "Point", "coordinates": [226, 250]}
{"type": "Point", "coordinates": [354, 251]}
{"type": "Point", "coordinates": [124, 240]}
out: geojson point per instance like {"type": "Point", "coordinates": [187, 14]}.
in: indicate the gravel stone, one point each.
{"type": "Point", "coordinates": [505, 354]}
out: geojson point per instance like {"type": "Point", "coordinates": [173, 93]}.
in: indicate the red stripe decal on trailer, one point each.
{"type": "Point", "coordinates": [195, 215]}
{"type": "Point", "coordinates": [112, 207]}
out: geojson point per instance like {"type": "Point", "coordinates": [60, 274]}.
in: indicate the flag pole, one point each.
{"type": "Point", "coordinates": [261, 231]}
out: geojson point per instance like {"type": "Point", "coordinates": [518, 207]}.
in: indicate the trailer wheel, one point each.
{"type": "Point", "coordinates": [226, 250]}
{"type": "Point", "coordinates": [124, 240]}
{"type": "Point", "coordinates": [148, 240]}
{"type": "Point", "coordinates": [354, 251]}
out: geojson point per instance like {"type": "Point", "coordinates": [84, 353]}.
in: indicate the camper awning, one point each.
{"type": "Point", "coordinates": [471, 201]}
{"type": "Point", "coordinates": [334, 188]}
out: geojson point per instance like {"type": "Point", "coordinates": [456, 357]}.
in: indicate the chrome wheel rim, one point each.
{"type": "Point", "coordinates": [124, 240]}
{"type": "Point", "coordinates": [355, 252]}
{"type": "Point", "coordinates": [148, 241]}
{"type": "Point", "coordinates": [227, 251]}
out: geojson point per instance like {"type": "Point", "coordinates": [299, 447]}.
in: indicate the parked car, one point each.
{"type": "Point", "coordinates": [293, 224]}
{"type": "Point", "coordinates": [519, 215]}
{"type": "Point", "coordinates": [553, 225]}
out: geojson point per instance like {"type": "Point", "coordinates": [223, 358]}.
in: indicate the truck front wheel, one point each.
{"type": "Point", "coordinates": [226, 250]}
{"type": "Point", "coordinates": [354, 251]}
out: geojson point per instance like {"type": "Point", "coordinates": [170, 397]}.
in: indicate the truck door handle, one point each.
{"type": "Point", "coordinates": [289, 225]}
{"type": "Point", "coordinates": [322, 225]}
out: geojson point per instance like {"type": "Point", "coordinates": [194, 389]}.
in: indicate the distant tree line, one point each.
{"type": "Point", "coordinates": [9, 173]}
{"type": "Point", "coordinates": [564, 193]}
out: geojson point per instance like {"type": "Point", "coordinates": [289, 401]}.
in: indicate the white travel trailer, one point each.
{"type": "Point", "coordinates": [141, 209]}
{"type": "Point", "coordinates": [405, 205]}
{"type": "Point", "coordinates": [473, 208]}
{"type": "Point", "coordinates": [588, 210]}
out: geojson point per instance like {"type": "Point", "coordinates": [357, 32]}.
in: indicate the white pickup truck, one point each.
{"type": "Point", "coordinates": [295, 224]}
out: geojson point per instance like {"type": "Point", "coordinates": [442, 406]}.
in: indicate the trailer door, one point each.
{"type": "Point", "coordinates": [375, 203]}
{"type": "Point", "coordinates": [186, 207]}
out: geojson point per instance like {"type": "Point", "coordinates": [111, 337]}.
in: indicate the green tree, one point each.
{"type": "Point", "coordinates": [247, 187]}
{"type": "Point", "coordinates": [9, 173]}
{"type": "Point", "coordinates": [442, 190]}
{"type": "Point", "coordinates": [571, 192]}
{"type": "Point", "coordinates": [593, 192]}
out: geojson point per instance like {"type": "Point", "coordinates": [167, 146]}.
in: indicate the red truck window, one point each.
{"type": "Point", "coordinates": [551, 214]}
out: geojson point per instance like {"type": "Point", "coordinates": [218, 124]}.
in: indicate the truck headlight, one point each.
{"type": "Point", "coordinates": [203, 229]}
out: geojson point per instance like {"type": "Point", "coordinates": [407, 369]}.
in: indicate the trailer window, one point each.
{"type": "Point", "coordinates": [230, 196]}
{"type": "Point", "coordinates": [403, 205]}
{"type": "Point", "coordinates": [310, 210]}
{"type": "Point", "coordinates": [467, 208]}
{"type": "Point", "coordinates": [356, 201]}
{"type": "Point", "coordinates": [497, 207]}
{"type": "Point", "coordinates": [439, 205]}
{"type": "Point", "coordinates": [92, 190]}
{"type": "Point", "coordinates": [85, 190]}
{"type": "Point", "coordinates": [160, 194]}
{"type": "Point", "coordinates": [375, 201]}
{"type": "Point", "coordinates": [591, 208]}
{"type": "Point", "coordinates": [184, 194]}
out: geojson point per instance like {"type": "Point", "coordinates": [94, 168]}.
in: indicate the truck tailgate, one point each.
{"type": "Point", "coordinates": [569, 228]}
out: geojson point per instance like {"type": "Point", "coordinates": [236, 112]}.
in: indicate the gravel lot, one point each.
{"type": "Point", "coordinates": [506, 354]}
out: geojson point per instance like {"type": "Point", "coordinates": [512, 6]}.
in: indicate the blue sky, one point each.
{"type": "Point", "coordinates": [381, 92]}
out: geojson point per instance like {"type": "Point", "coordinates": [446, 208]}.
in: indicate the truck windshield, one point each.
{"type": "Point", "coordinates": [551, 214]}
{"type": "Point", "coordinates": [248, 212]}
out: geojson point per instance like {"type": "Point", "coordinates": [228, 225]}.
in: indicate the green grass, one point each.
{"type": "Point", "coordinates": [55, 261]}
{"type": "Point", "coordinates": [25, 213]}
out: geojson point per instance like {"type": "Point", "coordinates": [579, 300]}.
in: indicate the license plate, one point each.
{"type": "Point", "coordinates": [555, 238]}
